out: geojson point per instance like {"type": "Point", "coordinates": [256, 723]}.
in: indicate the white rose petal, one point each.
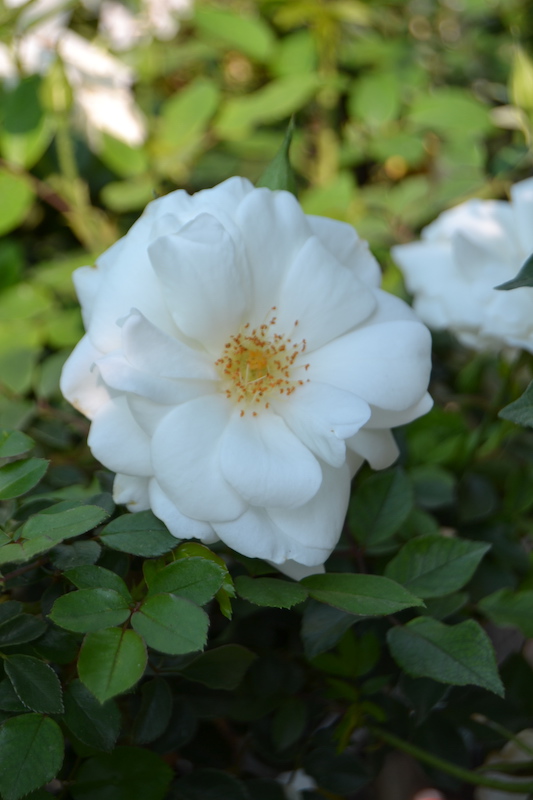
{"type": "Point", "coordinates": [461, 257]}
{"type": "Point", "coordinates": [240, 364]}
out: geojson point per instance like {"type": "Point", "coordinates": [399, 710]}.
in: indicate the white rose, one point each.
{"type": "Point", "coordinates": [239, 366]}
{"type": "Point", "coordinates": [463, 255]}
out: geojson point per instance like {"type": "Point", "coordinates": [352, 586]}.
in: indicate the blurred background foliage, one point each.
{"type": "Point", "coordinates": [402, 109]}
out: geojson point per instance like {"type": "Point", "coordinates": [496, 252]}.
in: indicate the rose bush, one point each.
{"type": "Point", "coordinates": [240, 364]}
{"type": "Point", "coordinates": [463, 255]}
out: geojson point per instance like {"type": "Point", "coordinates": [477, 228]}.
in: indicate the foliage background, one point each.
{"type": "Point", "coordinates": [402, 109]}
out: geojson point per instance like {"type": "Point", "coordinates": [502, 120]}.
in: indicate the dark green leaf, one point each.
{"type": "Point", "coordinates": [459, 654]}
{"type": "Point", "coordinates": [155, 711]}
{"type": "Point", "coordinates": [181, 728]}
{"type": "Point", "coordinates": [508, 608]}
{"type": "Point", "coordinates": [111, 662]}
{"type": "Point", "coordinates": [14, 443]}
{"type": "Point", "coordinates": [21, 629]}
{"type": "Point", "coordinates": [63, 524]}
{"type": "Point", "coordinates": [9, 610]}
{"type": "Point", "coordinates": [140, 534]}
{"type": "Point", "coordinates": [521, 411]}
{"type": "Point", "coordinates": [432, 566]}
{"type": "Point", "coordinates": [90, 610]}
{"type": "Point", "coordinates": [270, 591]}
{"type": "Point", "coordinates": [8, 698]}
{"type": "Point", "coordinates": [171, 624]}
{"type": "Point", "coordinates": [221, 668]}
{"type": "Point", "coordinates": [323, 626]}
{"type": "Point", "coordinates": [31, 754]}
{"type": "Point", "coordinates": [524, 277]}
{"type": "Point", "coordinates": [75, 554]}
{"type": "Point", "coordinates": [210, 784]}
{"type": "Point", "coordinates": [35, 684]}
{"type": "Point", "coordinates": [93, 724]}
{"type": "Point", "coordinates": [364, 595]}
{"type": "Point", "coordinates": [288, 723]}
{"type": "Point", "coordinates": [128, 773]}
{"type": "Point", "coordinates": [20, 476]}
{"type": "Point", "coordinates": [197, 579]}
{"type": "Point", "coordinates": [93, 577]}
{"type": "Point", "coordinates": [380, 506]}
{"type": "Point", "coordinates": [340, 773]}
{"type": "Point", "coordinates": [279, 174]}
{"type": "Point", "coordinates": [57, 645]}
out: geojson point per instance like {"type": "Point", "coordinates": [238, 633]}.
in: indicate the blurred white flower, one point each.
{"type": "Point", "coordinates": [295, 782]}
{"type": "Point", "coordinates": [156, 18]}
{"type": "Point", "coordinates": [240, 364]}
{"type": "Point", "coordinates": [462, 256]}
{"type": "Point", "coordinates": [513, 752]}
{"type": "Point", "coordinates": [101, 83]}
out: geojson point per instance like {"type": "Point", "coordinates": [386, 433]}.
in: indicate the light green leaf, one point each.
{"type": "Point", "coordinates": [123, 159]}
{"type": "Point", "coordinates": [433, 566]}
{"type": "Point", "coordinates": [364, 595]}
{"type": "Point", "coordinates": [221, 668]}
{"type": "Point", "coordinates": [270, 591]}
{"type": "Point", "coordinates": [26, 131]}
{"type": "Point", "coordinates": [111, 662]}
{"type": "Point", "coordinates": [90, 610]}
{"type": "Point", "coordinates": [31, 754]}
{"type": "Point", "coordinates": [380, 506]}
{"type": "Point", "coordinates": [140, 534]}
{"type": "Point", "coordinates": [375, 98]}
{"type": "Point", "coordinates": [19, 477]}
{"type": "Point", "coordinates": [459, 654]}
{"type": "Point", "coordinates": [196, 579]}
{"type": "Point", "coordinates": [94, 724]}
{"type": "Point", "coordinates": [35, 684]}
{"type": "Point", "coordinates": [249, 35]}
{"type": "Point", "coordinates": [276, 101]}
{"type": "Point", "coordinates": [451, 110]}
{"type": "Point", "coordinates": [16, 199]}
{"type": "Point", "coordinates": [185, 116]}
{"type": "Point", "coordinates": [171, 624]}
{"type": "Point", "coordinates": [510, 608]}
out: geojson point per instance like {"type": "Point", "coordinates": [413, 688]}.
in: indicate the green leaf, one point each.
{"type": "Point", "coordinates": [510, 608]}
{"type": "Point", "coordinates": [210, 784]}
{"type": "Point", "coordinates": [197, 579]}
{"type": "Point", "coordinates": [14, 443]}
{"type": "Point", "coordinates": [128, 773]}
{"type": "Point", "coordinates": [249, 35]}
{"type": "Point", "coordinates": [93, 577]}
{"type": "Point", "coordinates": [155, 711]}
{"type": "Point", "coordinates": [123, 159]}
{"type": "Point", "coordinates": [270, 591]}
{"type": "Point", "coordinates": [524, 277]}
{"type": "Point", "coordinates": [364, 595]}
{"type": "Point", "coordinates": [63, 524]}
{"type": "Point", "coordinates": [376, 98]}
{"type": "Point", "coordinates": [221, 668]}
{"type": "Point", "coordinates": [89, 610]}
{"type": "Point", "coordinates": [8, 698]}
{"type": "Point", "coordinates": [25, 131]}
{"type": "Point", "coordinates": [140, 534]}
{"type": "Point", "coordinates": [276, 101]}
{"type": "Point", "coordinates": [185, 117]}
{"type": "Point", "coordinates": [521, 411]}
{"type": "Point", "coordinates": [279, 174]}
{"type": "Point", "coordinates": [459, 654]}
{"type": "Point", "coordinates": [16, 199]}
{"type": "Point", "coordinates": [339, 773]}
{"type": "Point", "coordinates": [31, 754]}
{"type": "Point", "coordinates": [94, 724]}
{"type": "Point", "coordinates": [380, 506]}
{"type": "Point", "coordinates": [288, 723]}
{"type": "Point", "coordinates": [21, 629]}
{"type": "Point", "coordinates": [171, 624]}
{"type": "Point", "coordinates": [20, 476]}
{"type": "Point", "coordinates": [111, 662]}
{"type": "Point", "coordinates": [75, 554]}
{"type": "Point", "coordinates": [35, 684]}
{"type": "Point", "coordinates": [451, 110]}
{"type": "Point", "coordinates": [432, 566]}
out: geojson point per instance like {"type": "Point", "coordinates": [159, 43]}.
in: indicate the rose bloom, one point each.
{"type": "Point", "coordinates": [463, 255]}
{"type": "Point", "coordinates": [240, 364]}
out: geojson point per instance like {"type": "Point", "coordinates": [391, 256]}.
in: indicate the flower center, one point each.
{"type": "Point", "coordinates": [258, 364]}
